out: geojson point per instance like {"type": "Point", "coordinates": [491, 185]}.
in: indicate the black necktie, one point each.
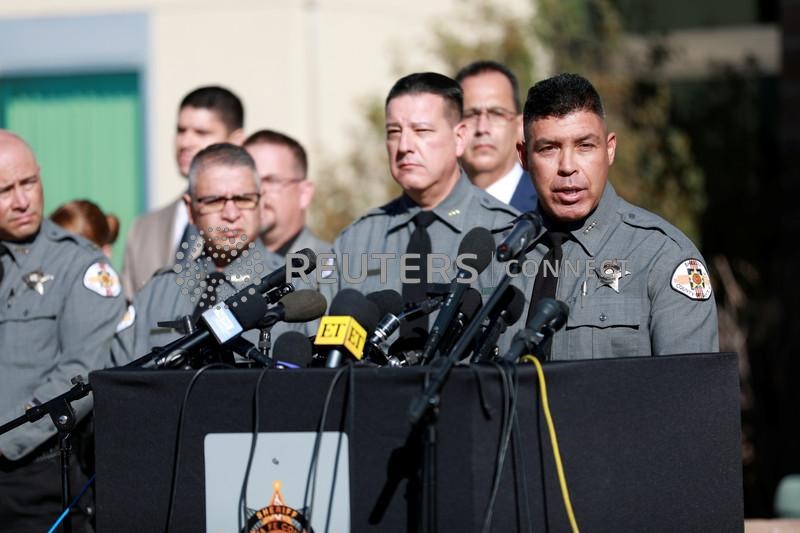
{"type": "Point", "coordinates": [546, 281]}
{"type": "Point", "coordinates": [416, 291]}
{"type": "Point", "coordinates": [214, 280]}
{"type": "Point", "coordinates": [3, 251]}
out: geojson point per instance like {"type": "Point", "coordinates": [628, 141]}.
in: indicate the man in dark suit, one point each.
{"type": "Point", "coordinates": [206, 116]}
{"type": "Point", "coordinates": [492, 112]}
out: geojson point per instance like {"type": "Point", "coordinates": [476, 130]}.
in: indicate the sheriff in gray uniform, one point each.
{"type": "Point", "coordinates": [223, 203]}
{"type": "Point", "coordinates": [178, 291]}
{"type": "Point", "coordinates": [386, 230]}
{"type": "Point", "coordinates": [424, 138]}
{"type": "Point", "coordinates": [635, 285]}
{"type": "Point", "coordinates": [60, 304]}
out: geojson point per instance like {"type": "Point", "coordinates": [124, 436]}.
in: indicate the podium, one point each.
{"type": "Point", "coordinates": [648, 444]}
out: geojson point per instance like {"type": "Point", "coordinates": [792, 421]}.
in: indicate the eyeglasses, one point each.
{"type": "Point", "coordinates": [215, 204]}
{"type": "Point", "coordinates": [495, 115]}
{"type": "Point", "coordinates": [274, 182]}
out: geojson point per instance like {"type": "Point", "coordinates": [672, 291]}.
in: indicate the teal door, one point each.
{"type": "Point", "coordinates": [86, 131]}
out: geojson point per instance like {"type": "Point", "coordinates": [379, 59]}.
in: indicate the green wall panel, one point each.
{"type": "Point", "coordinates": [87, 134]}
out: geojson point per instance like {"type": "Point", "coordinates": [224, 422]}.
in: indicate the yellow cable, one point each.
{"type": "Point", "coordinates": [554, 442]}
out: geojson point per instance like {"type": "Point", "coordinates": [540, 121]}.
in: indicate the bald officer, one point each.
{"type": "Point", "coordinates": [222, 201]}
{"type": "Point", "coordinates": [60, 304]}
{"type": "Point", "coordinates": [635, 284]}
{"type": "Point", "coordinates": [424, 138]}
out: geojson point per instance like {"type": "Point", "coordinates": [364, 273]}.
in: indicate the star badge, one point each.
{"type": "Point", "coordinates": [36, 280]}
{"type": "Point", "coordinates": [610, 272]}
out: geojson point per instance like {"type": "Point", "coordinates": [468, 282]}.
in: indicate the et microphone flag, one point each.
{"type": "Point", "coordinates": [342, 331]}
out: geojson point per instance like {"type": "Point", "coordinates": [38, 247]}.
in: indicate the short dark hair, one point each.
{"type": "Point", "coordinates": [483, 66]}
{"type": "Point", "coordinates": [280, 139]}
{"type": "Point", "coordinates": [220, 100]}
{"type": "Point", "coordinates": [431, 83]}
{"type": "Point", "coordinates": [225, 154]}
{"type": "Point", "coordinates": [561, 95]}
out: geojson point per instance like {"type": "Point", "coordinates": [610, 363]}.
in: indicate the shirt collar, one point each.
{"type": "Point", "coordinates": [451, 211]}
{"type": "Point", "coordinates": [504, 188]}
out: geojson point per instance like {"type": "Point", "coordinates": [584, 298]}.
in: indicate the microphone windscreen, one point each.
{"type": "Point", "coordinates": [312, 259]}
{"type": "Point", "coordinates": [388, 301]}
{"type": "Point", "coordinates": [350, 302]}
{"type": "Point", "coordinates": [303, 305]}
{"type": "Point", "coordinates": [479, 242]}
{"type": "Point", "coordinates": [470, 303]}
{"type": "Point", "coordinates": [248, 310]}
{"type": "Point", "coordinates": [293, 349]}
{"type": "Point", "coordinates": [513, 303]}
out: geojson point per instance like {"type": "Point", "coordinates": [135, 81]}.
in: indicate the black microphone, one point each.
{"type": "Point", "coordinates": [304, 261]}
{"type": "Point", "coordinates": [470, 305]}
{"type": "Point", "coordinates": [507, 312]}
{"type": "Point", "coordinates": [390, 303]}
{"type": "Point", "coordinates": [298, 306]}
{"type": "Point", "coordinates": [344, 331]}
{"type": "Point", "coordinates": [221, 323]}
{"type": "Point", "coordinates": [522, 235]}
{"type": "Point", "coordinates": [292, 350]}
{"type": "Point", "coordinates": [248, 350]}
{"type": "Point", "coordinates": [239, 313]}
{"type": "Point", "coordinates": [549, 316]}
{"type": "Point", "coordinates": [479, 244]}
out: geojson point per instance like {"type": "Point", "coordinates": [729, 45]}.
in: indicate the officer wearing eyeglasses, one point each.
{"type": "Point", "coordinates": [493, 115]}
{"type": "Point", "coordinates": [286, 192]}
{"type": "Point", "coordinates": [222, 201]}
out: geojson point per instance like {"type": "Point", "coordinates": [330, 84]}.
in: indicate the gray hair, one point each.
{"type": "Point", "coordinates": [225, 154]}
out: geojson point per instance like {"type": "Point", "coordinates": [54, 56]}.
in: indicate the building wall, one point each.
{"type": "Point", "coordinates": [300, 66]}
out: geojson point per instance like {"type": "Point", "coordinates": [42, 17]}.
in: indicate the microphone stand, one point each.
{"type": "Point", "coordinates": [424, 409]}
{"type": "Point", "coordinates": [63, 416]}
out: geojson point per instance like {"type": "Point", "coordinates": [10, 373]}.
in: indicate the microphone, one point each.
{"type": "Point", "coordinates": [507, 313]}
{"type": "Point", "coordinates": [524, 232]}
{"type": "Point", "coordinates": [292, 350]}
{"type": "Point", "coordinates": [390, 303]}
{"type": "Point", "coordinates": [479, 243]}
{"type": "Point", "coordinates": [221, 323]}
{"type": "Point", "coordinates": [304, 261]}
{"type": "Point", "coordinates": [345, 328]}
{"type": "Point", "coordinates": [298, 306]}
{"type": "Point", "coordinates": [239, 313]}
{"type": "Point", "coordinates": [470, 305]}
{"type": "Point", "coordinates": [549, 316]}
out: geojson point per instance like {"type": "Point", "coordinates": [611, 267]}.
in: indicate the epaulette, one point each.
{"type": "Point", "coordinates": [641, 218]}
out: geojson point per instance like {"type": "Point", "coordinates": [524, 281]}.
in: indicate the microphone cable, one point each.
{"type": "Point", "coordinates": [177, 455]}
{"type": "Point", "coordinates": [242, 507]}
{"type": "Point", "coordinates": [311, 480]}
{"type": "Point", "coordinates": [510, 387]}
{"type": "Point", "coordinates": [562, 480]}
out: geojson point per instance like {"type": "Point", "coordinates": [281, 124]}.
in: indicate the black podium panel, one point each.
{"type": "Point", "coordinates": [648, 444]}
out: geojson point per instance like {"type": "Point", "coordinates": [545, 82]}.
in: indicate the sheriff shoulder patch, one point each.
{"type": "Point", "coordinates": [128, 319]}
{"type": "Point", "coordinates": [691, 279]}
{"type": "Point", "coordinates": [101, 278]}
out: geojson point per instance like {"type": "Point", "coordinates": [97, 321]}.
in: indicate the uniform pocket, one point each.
{"type": "Point", "coordinates": [609, 326]}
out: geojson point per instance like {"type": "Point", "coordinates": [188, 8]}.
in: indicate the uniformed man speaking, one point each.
{"type": "Point", "coordinates": [635, 285]}
{"type": "Point", "coordinates": [59, 304]}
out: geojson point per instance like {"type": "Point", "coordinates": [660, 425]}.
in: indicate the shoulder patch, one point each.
{"type": "Point", "coordinates": [127, 319]}
{"type": "Point", "coordinates": [691, 279]}
{"type": "Point", "coordinates": [101, 278]}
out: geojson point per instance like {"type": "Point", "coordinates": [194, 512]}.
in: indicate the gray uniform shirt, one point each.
{"type": "Point", "coordinates": [174, 292]}
{"type": "Point", "coordinates": [627, 278]}
{"type": "Point", "coordinates": [60, 301]}
{"type": "Point", "coordinates": [388, 229]}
